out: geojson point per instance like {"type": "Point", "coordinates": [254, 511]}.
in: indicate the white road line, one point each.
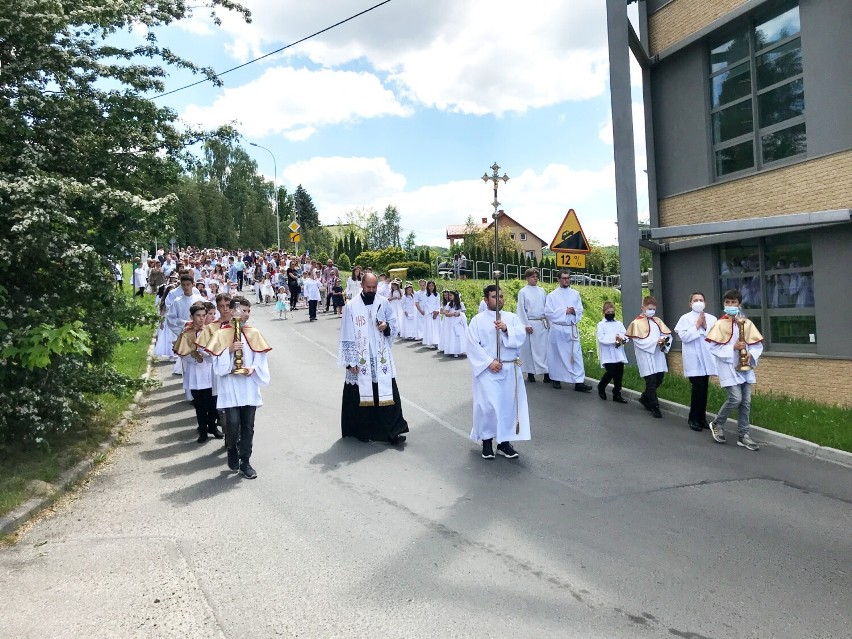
{"type": "Point", "coordinates": [430, 415]}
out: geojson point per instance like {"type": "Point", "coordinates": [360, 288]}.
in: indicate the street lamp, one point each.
{"type": "Point", "coordinates": [275, 186]}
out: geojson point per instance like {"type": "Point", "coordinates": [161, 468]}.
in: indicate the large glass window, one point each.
{"type": "Point", "coordinates": [775, 276]}
{"type": "Point", "coordinates": [757, 91]}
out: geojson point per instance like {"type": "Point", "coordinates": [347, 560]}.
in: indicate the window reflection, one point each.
{"type": "Point", "coordinates": [777, 28]}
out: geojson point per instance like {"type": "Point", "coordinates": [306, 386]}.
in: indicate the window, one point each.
{"type": "Point", "coordinates": [523, 237]}
{"type": "Point", "coordinates": [775, 276]}
{"type": "Point", "coordinates": [757, 94]}
{"type": "Point", "coordinates": [512, 235]}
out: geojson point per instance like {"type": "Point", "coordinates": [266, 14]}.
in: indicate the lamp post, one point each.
{"type": "Point", "coordinates": [495, 178]}
{"type": "Point", "coordinates": [275, 186]}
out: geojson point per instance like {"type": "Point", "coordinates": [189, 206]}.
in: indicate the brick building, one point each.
{"type": "Point", "coordinates": [748, 108]}
{"type": "Point", "coordinates": [530, 244]}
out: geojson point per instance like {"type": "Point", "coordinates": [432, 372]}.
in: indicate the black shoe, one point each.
{"type": "Point", "coordinates": [507, 451]}
{"type": "Point", "coordinates": [530, 377]}
{"type": "Point", "coordinates": [546, 379]}
{"type": "Point", "coordinates": [247, 471]}
{"type": "Point", "coordinates": [601, 393]}
{"type": "Point", "coordinates": [582, 388]}
{"type": "Point", "coordinates": [202, 437]}
{"type": "Point", "coordinates": [487, 449]}
{"type": "Point", "coordinates": [644, 401]}
{"type": "Point", "coordinates": [233, 459]}
{"type": "Point", "coordinates": [618, 399]}
{"type": "Point", "coordinates": [216, 433]}
{"type": "Point", "coordinates": [705, 425]}
{"type": "Point", "coordinates": [655, 412]}
{"type": "Point", "coordinates": [396, 441]}
{"type": "Point", "coordinates": [556, 384]}
{"type": "Point", "coordinates": [696, 426]}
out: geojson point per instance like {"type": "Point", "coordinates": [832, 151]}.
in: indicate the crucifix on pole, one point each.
{"type": "Point", "coordinates": [495, 178]}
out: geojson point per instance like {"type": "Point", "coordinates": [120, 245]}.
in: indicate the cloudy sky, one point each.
{"type": "Point", "coordinates": [411, 103]}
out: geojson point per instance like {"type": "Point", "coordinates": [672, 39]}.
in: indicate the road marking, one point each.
{"type": "Point", "coordinates": [426, 412]}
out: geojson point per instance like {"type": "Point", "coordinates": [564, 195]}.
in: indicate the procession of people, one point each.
{"type": "Point", "coordinates": [205, 328]}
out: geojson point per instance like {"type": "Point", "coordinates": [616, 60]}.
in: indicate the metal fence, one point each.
{"type": "Point", "coordinates": [485, 271]}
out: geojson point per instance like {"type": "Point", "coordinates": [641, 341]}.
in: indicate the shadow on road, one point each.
{"type": "Point", "coordinates": [348, 451]}
{"type": "Point", "coordinates": [206, 488]}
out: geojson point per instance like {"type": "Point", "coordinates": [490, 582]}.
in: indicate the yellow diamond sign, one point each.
{"type": "Point", "coordinates": [294, 226]}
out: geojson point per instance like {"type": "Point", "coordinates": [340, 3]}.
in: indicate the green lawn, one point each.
{"type": "Point", "coordinates": [22, 467]}
{"type": "Point", "coordinates": [818, 423]}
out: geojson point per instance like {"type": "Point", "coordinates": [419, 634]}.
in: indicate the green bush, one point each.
{"type": "Point", "coordinates": [343, 263]}
{"type": "Point", "coordinates": [322, 257]}
{"type": "Point", "coordinates": [415, 269]}
{"type": "Point", "coordinates": [380, 260]}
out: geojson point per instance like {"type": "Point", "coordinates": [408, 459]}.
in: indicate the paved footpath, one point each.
{"type": "Point", "coordinates": [610, 525]}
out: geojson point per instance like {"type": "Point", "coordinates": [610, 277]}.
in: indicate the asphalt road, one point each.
{"type": "Point", "coordinates": [611, 524]}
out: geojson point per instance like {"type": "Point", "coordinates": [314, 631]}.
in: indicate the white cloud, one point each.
{"type": "Point", "coordinates": [477, 56]}
{"type": "Point", "coordinates": [537, 200]}
{"type": "Point", "coordinates": [294, 102]}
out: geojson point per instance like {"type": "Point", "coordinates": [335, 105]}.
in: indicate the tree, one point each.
{"type": "Point", "coordinates": [306, 212]}
{"type": "Point", "coordinates": [88, 166]}
{"type": "Point", "coordinates": [409, 245]}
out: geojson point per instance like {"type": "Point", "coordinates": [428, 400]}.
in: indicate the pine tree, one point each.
{"type": "Point", "coordinates": [340, 249]}
{"type": "Point", "coordinates": [358, 248]}
{"type": "Point", "coordinates": [350, 248]}
{"type": "Point", "coordinates": [306, 212]}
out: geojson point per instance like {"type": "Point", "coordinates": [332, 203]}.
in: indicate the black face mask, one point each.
{"type": "Point", "coordinates": [610, 317]}
{"type": "Point", "coordinates": [368, 297]}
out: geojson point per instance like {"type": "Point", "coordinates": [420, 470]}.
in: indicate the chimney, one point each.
{"type": "Point", "coordinates": [485, 220]}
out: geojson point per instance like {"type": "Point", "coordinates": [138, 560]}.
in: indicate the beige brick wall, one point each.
{"type": "Point", "coordinates": [681, 18]}
{"type": "Point", "coordinates": [821, 380]}
{"type": "Point", "coordinates": [815, 185]}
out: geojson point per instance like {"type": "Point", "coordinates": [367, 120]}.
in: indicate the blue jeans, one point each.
{"type": "Point", "coordinates": [738, 396]}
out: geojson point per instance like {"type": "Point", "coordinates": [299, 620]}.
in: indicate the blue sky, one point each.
{"type": "Point", "coordinates": [409, 104]}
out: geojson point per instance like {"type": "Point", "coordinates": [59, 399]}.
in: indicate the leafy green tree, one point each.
{"type": "Point", "coordinates": [343, 263]}
{"type": "Point", "coordinates": [88, 166]}
{"type": "Point", "coordinates": [409, 245]}
{"type": "Point", "coordinates": [306, 212]}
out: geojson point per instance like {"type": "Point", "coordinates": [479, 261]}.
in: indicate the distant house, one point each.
{"type": "Point", "coordinates": [530, 243]}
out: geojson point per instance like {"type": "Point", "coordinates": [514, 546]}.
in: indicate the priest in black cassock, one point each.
{"type": "Point", "coordinates": [371, 406]}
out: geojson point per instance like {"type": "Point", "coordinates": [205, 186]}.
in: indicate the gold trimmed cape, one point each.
{"type": "Point", "coordinates": [207, 333]}
{"type": "Point", "coordinates": [723, 331]}
{"type": "Point", "coordinates": [185, 343]}
{"type": "Point", "coordinates": [224, 337]}
{"type": "Point", "coordinates": [640, 327]}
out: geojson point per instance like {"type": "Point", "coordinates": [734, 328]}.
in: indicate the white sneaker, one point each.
{"type": "Point", "coordinates": [747, 442]}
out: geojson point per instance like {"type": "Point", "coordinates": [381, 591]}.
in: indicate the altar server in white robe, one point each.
{"type": "Point", "coordinates": [500, 408]}
{"type": "Point", "coordinates": [611, 338]}
{"type": "Point", "coordinates": [651, 339]}
{"type": "Point", "coordinates": [177, 315]}
{"type": "Point", "coordinates": [564, 310]}
{"type": "Point", "coordinates": [238, 394]}
{"type": "Point", "coordinates": [698, 363]}
{"type": "Point", "coordinates": [530, 310]}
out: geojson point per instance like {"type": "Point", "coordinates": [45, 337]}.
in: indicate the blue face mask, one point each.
{"type": "Point", "coordinates": [732, 310]}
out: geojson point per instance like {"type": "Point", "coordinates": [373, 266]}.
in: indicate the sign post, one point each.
{"type": "Point", "coordinates": [295, 236]}
{"type": "Point", "coordinates": [570, 243]}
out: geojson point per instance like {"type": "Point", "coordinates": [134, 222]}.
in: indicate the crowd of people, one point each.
{"type": "Point", "coordinates": [205, 328]}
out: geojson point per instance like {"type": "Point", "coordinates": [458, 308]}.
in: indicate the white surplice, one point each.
{"type": "Point", "coordinates": [697, 359]}
{"type": "Point", "coordinates": [531, 300]}
{"type": "Point", "coordinates": [564, 353]}
{"type": "Point", "coordinates": [649, 358]}
{"type": "Point", "coordinates": [728, 358]}
{"type": "Point", "coordinates": [495, 411]}
{"type": "Point", "coordinates": [607, 351]}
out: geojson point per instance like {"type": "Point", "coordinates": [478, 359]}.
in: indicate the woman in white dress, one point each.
{"type": "Point", "coordinates": [432, 320]}
{"type": "Point", "coordinates": [353, 284]}
{"type": "Point", "coordinates": [395, 299]}
{"type": "Point", "coordinates": [409, 314]}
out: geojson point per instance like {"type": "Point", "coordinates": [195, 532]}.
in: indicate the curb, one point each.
{"type": "Point", "coordinates": [764, 435]}
{"type": "Point", "coordinates": [11, 522]}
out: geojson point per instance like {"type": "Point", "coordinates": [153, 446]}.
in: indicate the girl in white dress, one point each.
{"type": "Point", "coordinates": [446, 298]}
{"type": "Point", "coordinates": [266, 289]}
{"type": "Point", "coordinates": [432, 321]}
{"type": "Point", "coordinates": [395, 299]}
{"type": "Point", "coordinates": [455, 335]}
{"type": "Point", "coordinates": [409, 314]}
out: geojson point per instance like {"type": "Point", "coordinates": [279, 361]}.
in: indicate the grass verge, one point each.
{"type": "Point", "coordinates": [22, 468]}
{"type": "Point", "coordinates": [818, 423]}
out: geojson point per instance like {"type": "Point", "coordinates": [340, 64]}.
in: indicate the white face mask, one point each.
{"type": "Point", "coordinates": [650, 312]}
{"type": "Point", "coordinates": [698, 306]}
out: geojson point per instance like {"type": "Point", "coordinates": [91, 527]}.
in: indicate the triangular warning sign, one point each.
{"type": "Point", "coordinates": [570, 237]}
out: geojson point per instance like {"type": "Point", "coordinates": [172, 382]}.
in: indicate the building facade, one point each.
{"type": "Point", "coordinates": [530, 243]}
{"type": "Point", "coordinates": [748, 107]}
